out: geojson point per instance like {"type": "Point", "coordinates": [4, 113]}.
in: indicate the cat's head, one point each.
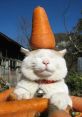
{"type": "Point", "coordinates": [44, 64]}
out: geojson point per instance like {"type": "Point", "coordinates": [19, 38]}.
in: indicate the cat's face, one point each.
{"type": "Point", "coordinates": [44, 64]}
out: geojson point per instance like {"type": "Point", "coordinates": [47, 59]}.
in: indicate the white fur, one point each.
{"type": "Point", "coordinates": [33, 69]}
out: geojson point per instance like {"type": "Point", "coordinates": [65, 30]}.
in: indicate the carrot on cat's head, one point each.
{"type": "Point", "coordinates": [42, 35]}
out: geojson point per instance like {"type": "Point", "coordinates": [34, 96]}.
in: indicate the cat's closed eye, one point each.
{"type": "Point", "coordinates": [33, 64]}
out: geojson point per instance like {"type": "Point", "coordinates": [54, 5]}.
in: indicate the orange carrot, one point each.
{"type": "Point", "coordinates": [4, 95]}
{"type": "Point", "coordinates": [20, 114]}
{"type": "Point", "coordinates": [37, 105]}
{"type": "Point", "coordinates": [77, 103]}
{"type": "Point", "coordinates": [42, 35]}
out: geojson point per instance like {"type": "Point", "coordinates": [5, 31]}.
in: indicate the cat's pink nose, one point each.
{"type": "Point", "coordinates": [46, 61]}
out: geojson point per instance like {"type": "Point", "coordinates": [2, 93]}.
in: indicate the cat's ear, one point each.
{"type": "Point", "coordinates": [25, 51]}
{"type": "Point", "coordinates": [63, 52]}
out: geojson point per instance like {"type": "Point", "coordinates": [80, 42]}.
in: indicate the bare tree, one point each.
{"type": "Point", "coordinates": [24, 28]}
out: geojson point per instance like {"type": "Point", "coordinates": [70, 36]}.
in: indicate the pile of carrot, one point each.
{"type": "Point", "coordinates": [20, 108]}
{"type": "Point", "coordinates": [30, 107]}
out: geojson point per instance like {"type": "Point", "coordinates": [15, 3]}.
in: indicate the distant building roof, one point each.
{"type": "Point", "coordinates": [6, 38]}
{"type": "Point", "coordinates": [9, 47]}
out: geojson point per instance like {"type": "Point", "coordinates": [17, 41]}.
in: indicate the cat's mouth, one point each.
{"type": "Point", "coordinates": [44, 72]}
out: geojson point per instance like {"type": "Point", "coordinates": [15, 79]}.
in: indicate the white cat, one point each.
{"type": "Point", "coordinates": [44, 69]}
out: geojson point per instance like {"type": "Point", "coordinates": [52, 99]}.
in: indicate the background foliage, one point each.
{"type": "Point", "coordinates": [72, 41]}
{"type": "Point", "coordinates": [74, 82]}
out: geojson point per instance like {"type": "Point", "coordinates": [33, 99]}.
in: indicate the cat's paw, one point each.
{"type": "Point", "coordinates": [22, 94]}
{"type": "Point", "coordinates": [61, 100]}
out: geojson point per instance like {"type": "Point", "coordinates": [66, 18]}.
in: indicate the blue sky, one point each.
{"type": "Point", "coordinates": [12, 10]}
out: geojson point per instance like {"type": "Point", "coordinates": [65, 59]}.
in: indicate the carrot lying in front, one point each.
{"type": "Point", "coordinates": [38, 105]}
{"type": "Point", "coordinates": [20, 114]}
{"type": "Point", "coordinates": [4, 95]}
{"type": "Point", "coordinates": [77, 103]}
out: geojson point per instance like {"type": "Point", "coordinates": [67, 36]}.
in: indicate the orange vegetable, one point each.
{"type": "Point", "coordinates": [30, 105]}
{"type": "Point", "coordinates": [20, 114]}
{"type": "Point", "coordinates": [77, 103]}
{"type": "Point", "coordinates": [78, 114]}
{"type": "Point", "coordinates": [4, 95]}
{"type": "Point", "coordinates": [12, 97]}
{"type": "Point", "coordinates": [28, 108]}
{"type": "Point", "coordinates": [42, 35]}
